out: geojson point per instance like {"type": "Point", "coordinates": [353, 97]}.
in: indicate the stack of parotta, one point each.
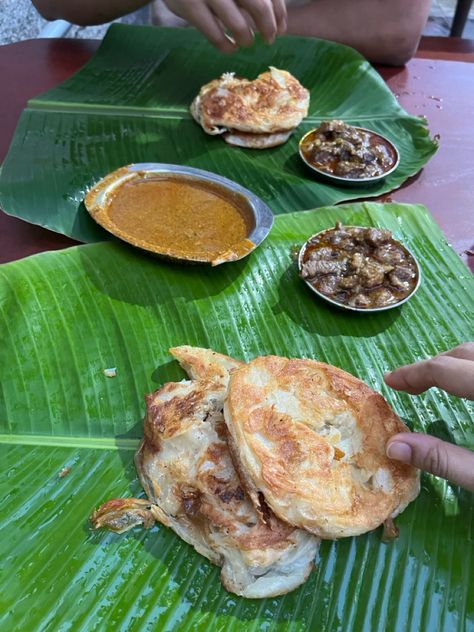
{"type": "Point", "coordinates": [253, 463]}
{"type": "Point", "coordinates": [257, 114]}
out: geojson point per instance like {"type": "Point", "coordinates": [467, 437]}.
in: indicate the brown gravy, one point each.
{"type": "Point", "coordinates": [344, 151]}
{"type": "Point", "coordinates": [358, 266]}
{"type": "Point", "coordinates": [180, 217]}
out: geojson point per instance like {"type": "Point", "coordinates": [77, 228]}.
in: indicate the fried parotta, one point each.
{"type": "Point", "coordinates": [311, 439]}
{"type": "Point", "coordinates": [186, 470]}
{"type": "Point", "coordinates": [257, 114]}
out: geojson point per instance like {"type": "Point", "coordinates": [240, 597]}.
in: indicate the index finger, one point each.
{"type": "Point", "coordinates": [263, 14]}
{"type": "Point", "coordinates": [203, 19]}
{"type": "Point", "coordinates": [464, 351]}
{"type": "Point", "coordinates": [454, 375]}
{"type": "Point", "coordinates": [233, 20]}
{"type": "Point", "coordinates": [279, 7]}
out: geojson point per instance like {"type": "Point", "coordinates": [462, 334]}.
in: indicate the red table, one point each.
{"type": "Point", "coordinates": [438, 84]}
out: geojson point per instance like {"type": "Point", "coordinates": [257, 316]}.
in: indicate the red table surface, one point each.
{"type": "Point", "coordinates": [435, 85]}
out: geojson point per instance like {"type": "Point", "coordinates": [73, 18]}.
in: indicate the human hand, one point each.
{"type": "Point", "coordinates": [241, 19]}
{"type": "Point", "coordinates": [452, 371]}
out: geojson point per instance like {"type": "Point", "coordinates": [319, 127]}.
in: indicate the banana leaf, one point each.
{"type": "Point", "coordinates": [130, 103]}
{"type": "Point", "coordinates": [68, 433]}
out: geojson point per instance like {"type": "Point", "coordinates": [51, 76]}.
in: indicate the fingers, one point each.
{"type": "Point", "coordinates": [433, 455]}
{"type": "Point", "coordinates": [464, 351]}
{"type": "Point", "coordinates": [249, 19]}
{"type": "Point", "coordinates": [452, 374]}
{"type": "Point", "coordinates": [241, 18]}
{"type": "Point", "coordinates": [262, 13]}
{"type": "Point", "coordinates": [279, 9]}
{"type": "Point", "coordinates": [233, 20]}
{"type": "Point", "coordinates": [203, 19]}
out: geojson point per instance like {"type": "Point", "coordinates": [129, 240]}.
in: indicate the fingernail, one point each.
{"type": "Point", "coordinates": [399, 451]}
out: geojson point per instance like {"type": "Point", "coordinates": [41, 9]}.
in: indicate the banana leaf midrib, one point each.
{"type": "Point", "coordinates": [63, 441]}
{"type": "Point", "coordinates": [174, 113]}
{"type": "Point", "coordinates": [41, 101]}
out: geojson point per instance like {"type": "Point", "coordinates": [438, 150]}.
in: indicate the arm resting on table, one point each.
{"type": "Point", "coordinates": [384, 32]}
{"type": "Point", "coordinates": [86, 12]}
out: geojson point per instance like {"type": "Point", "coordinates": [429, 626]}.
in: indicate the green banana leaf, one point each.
{"type": "Point", "coordinates": [130, 103]}
{"type": "Point", "coordinates": [66, 316]}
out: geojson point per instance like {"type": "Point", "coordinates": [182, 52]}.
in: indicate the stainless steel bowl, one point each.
{"type": "Point", "coordinates": [261, 213]}
{"type": "Point", "coordinates": [353, 182]}
{"type": "Point", "coordinates": [362, 310]}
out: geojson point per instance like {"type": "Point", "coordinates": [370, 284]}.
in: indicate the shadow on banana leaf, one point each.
{"type": "Point", "coordinates": [454, 500]}
{"type": "Point", "coordinates": [168, 372]}
{"type": "Point", "coordinates": [124, 273]}
{"type": "Point", "coordinates": [85, 225]}
{"type": "Point", "coordinates": [316, 316]}
{"type": "Point", "coordinates": [447, 497]}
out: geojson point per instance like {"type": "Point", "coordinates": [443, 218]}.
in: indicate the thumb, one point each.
{"type": "Point", "coordinates": [435, 456]}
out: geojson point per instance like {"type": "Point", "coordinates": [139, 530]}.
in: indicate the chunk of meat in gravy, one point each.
{"type": "Point", "coordinates": [376, 236]}
{"type": "Point", "coordinates": [389, 253]}
{"type": "Point", "coordinates": [401, 277]}
{"type": "Point", "coordinates": [341, 238]}
{"type": "Point", "coordinates": [372, 274]}
{"type": "Point", "coordinates": [322, 253]}
{"type": "Point", "coordinates": [347, 239]}
{"type": "Point", "coordinates": [356, 261]}
{"type": "Point", "coordinates": [404, 273]}
{"type": "Point", "coordinates": [358, 234]}
{"type": "Point", "coordinates": [382, 296]}
{"type": "Point", "coordinates": [312, 268]}
{"type": "Point", "coordinates": [360, 300]}
{"type": "Point", "coordinates": [327, 284]}
{"type": "Point", "coordinates": [349, 282]}
{"type": "Point", "coordinates": [347, 169]}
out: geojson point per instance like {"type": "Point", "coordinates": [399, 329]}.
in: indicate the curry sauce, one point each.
{"type": "Point", "coordinates": [179, 216]}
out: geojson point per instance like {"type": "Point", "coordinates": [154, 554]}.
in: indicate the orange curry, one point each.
{"type": "Point", "coordinates": [180, 217]}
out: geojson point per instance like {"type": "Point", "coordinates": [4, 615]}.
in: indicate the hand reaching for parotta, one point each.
{"type": "Point", "coordinates": [228, 24]}
{"type": "Point", "coordinates": [453, 372]}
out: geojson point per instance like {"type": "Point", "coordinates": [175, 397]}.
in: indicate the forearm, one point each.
{"type": "Point", "coordinates": [384, 32]}
{"type": "Point", "coordinates": [85, 12]}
